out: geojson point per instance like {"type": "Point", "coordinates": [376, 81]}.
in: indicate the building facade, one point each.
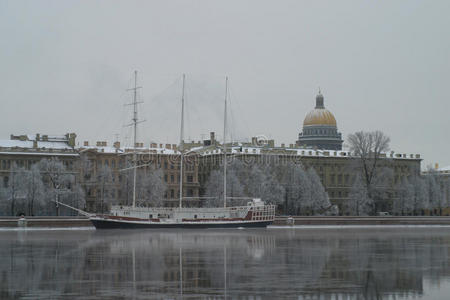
{"type": "Point", "coordinates": [336, 169]}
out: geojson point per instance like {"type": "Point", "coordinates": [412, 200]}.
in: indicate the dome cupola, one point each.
{"type": "Point", "coordinates": [319, 115]}
{"type": "Point", "coordinates": [320, 128]}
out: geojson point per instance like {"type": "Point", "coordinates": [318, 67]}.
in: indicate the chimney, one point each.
{"type": "Point", "coordinates": [254, 141]}
{"type": "Point", "coordinates": [116, 145]}
{"type": "Point", "coordinates": [98, 144]}
{"type": "Point", "coordinates": [153, 145]}
{"type": "Point", "coordinates": [35, 144]}
{"type": "Point", "coordinates": [168, 146]}
{"type": "Point", "coordinates": [291, 145]}
{"type": "Point", "coordinates": [71, 139]}
{"type": "Point", "coordinates": [212, 137]}
{"type": "Point", "coordinates": [282, 145]}
{"type": "Point", "coordinates": [174, 146]}
{"type": "Point", "coordinates": [38, 136]}
{"type": "Point", "coordinates": [160, 145]}
{"type": "Point", "coordinates": [436, 166]}
{"type": "Point", "coordinates": [86, 143]}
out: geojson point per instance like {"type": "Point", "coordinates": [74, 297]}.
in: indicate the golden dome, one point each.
{"type": "Point", "coordinates": [319, 116]}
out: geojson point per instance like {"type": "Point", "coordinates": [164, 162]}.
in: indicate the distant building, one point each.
{"type": "Point", "coordinates": [320, 129]}
{"type": "Point", "coordinates": [335, 168]}
{"type": "Point", "coordinates": [26, 150]}
{"type": "Point", "coordinates": [163, 156]}
{"type": "Point", "coordinates": [443, 174]}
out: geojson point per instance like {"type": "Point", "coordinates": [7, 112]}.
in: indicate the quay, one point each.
{"type": "Point", "coordinates": [79, 221]}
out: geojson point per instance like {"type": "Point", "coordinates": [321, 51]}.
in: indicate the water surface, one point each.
{"type": "Point", "coordinates": [287, 263]}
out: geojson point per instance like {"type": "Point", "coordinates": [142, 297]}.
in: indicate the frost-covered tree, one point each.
{"type": "Point", "coordinates": [126, 183]}
{"type": "Point", "coordinates": [404, 202]}
{"type": "Point", "coordinates": [319, 197]}
{"type": "Point", "coordinates": [421, 198]}
{"type": "Point", "coordinates": [58, 180]}
{"type": "Point", "coordinates": [235, 187]}
{"type": "Point", "coordinates": [104, 182]}
{"type": "Point", "coordinates": [150, 187]}
{"type": "Point", "coordinates": [11, 192]}
{"type": "Point", "coordinates": [261, 183]}
{"type": "Point", "coordinates": [298, 189]}
{"type": "Point", "coordinates": [382, 189]}
{"type": "Point", "coordinates": [435, 196]}
{"type": "Point", "coordinates": [33, 189]}
{"type": "Point", "coordinates": [359, 203]}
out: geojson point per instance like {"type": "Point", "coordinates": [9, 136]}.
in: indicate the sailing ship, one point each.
{"type": "Point", "coordinates": [255, 214]}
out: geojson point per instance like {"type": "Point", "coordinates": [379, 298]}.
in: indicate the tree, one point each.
{"type": "Point", "coordinates": [104, 182]}
{"type": "Point", "coordinates": [368, 147]}
{"type": "Point", "coordinates": [150, 187]}
{"type": "Point", "coordinates": [12, 190]}
{"type": "Point", "coordinates": [319, 197]}
{"type": "Point", "coordinates": [433, 183]}
{"type": "Point", "coordinates": [33, 189]}
{"type": "Point", "coordinates": [297, 185]}
{"type": "Point", "coordinates": [382, 189]}
{"type": "Point", "coordinates": [359, 202]}
{"type": "Point", "coordinates": [214, 185]}
{"type": "Point", "coordinates": [57, 178]}
{"type": "Point", "coordinates": [404, 204]}
{"type": "Point", "coordinates": [261, 183]}
{"type": "Point", "coordinates": [421, 198]}
{"type": "Point", "coordinates": [126, 183]}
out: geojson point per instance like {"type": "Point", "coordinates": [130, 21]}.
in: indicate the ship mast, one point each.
{"type": "Point", "coordinates": [225, 146]}
{"type": "Point", "coordinates": [182, 141]}
{"type": "Point", "coordinates": [135, 122]}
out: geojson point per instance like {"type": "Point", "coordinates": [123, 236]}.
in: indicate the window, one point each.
{"type": "Point", "coordinates": [165, 177]}
{"type": "Point", "coordinates": [190, 178]}
{"type": "Point", "coordinates": [190, 193]}
{"type": "Point", "coordinates": [172, 194]}
{"type": "Point", "coordinates": [172, 179]}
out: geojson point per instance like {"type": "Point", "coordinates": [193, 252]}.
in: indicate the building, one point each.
{"type": "Point", "coordinates": [119, 160]}
{"type": "Point", "coordinates": [335, 168]}
{"type": "Point", "coordinates": [443, 176]}
{"type": "Point", "coordinates": [320, 129]}
{"type": "Point", "coordinates": [26, 150]}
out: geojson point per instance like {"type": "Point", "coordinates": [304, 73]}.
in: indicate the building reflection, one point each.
{"type": "Point", "coordinates": [305, 264]}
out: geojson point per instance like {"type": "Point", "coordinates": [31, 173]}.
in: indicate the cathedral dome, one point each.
{"type": "Point", "coordinates": [320, 129]}
{"type": "Point", "coordinates": [319, 115]}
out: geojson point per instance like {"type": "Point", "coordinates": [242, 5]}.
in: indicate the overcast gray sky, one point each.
{"type": "Point", "coordinates": [65, 66]}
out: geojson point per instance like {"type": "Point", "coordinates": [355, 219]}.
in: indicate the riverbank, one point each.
{"type": "Point", "coordinates": [65, 222]}
{"type": "Point", "coordinates": [347, 220]}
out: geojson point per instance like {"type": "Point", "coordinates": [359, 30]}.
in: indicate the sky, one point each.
{"type": "Point", "coordinates": [65, 66]}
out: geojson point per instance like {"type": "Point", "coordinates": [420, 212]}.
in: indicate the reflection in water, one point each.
{"type": "Point", "coordinates": [233, 264]}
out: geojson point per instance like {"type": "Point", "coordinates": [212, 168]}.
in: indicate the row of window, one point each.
{"type": "Point", "coordinates": [176, 179]}
{"type": "Point", "coordinates": [175, 193]}
{"type": "Point", "coordinates": [6, 164]}
{"type": "Point", "coordinates": [320, 131]}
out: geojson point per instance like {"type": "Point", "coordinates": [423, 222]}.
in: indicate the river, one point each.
{"type": "Point", "coordinates": [274, 263]}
